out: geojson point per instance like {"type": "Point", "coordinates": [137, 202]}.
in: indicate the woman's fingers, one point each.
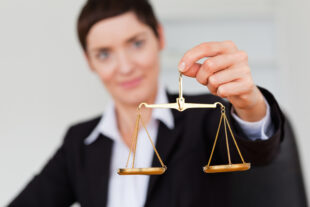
{"type": "Point", "coordinates": [208, 49]}
{"type": "Point", "coordinates": [227, 74]}
{"type": "Point", "coordinates": [215, 64]}
{"type": "Point", "coordinates": [192, 72]}
{"type": "Point", "coordinates": [226, 71]}
{"type": "Point", "coordinates": [238, 88]}
{"type": "Point", "coordinates": [231, 74]}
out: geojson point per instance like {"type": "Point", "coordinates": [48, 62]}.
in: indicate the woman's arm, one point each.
{"type": "Point", "coordinates": [259, 151]}
{"type": "Point", "coordinates": [227, 74]}
{"type": "Point", "coordinates": [51, 187]}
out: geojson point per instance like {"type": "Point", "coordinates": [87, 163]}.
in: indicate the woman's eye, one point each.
{"type": "Point", "coordinates": [138, 43]}
{"type": "Point", "coordinates": [103, 55]}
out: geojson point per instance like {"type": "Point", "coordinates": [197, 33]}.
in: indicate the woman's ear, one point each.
{"type": "Point", "coordinates": [161, 36]}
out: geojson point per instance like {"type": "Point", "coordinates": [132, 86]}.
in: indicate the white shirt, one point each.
{"type": "Point", "coordinates": [131, 191]}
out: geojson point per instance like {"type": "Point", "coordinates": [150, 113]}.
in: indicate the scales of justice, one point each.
{"type": "Point", "coordinates": [181, 105]}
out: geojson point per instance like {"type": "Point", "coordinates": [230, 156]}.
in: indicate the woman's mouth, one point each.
{"type": "Point", "coordinates": [131, 83]}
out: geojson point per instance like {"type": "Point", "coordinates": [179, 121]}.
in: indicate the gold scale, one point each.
{"type": "Point", "coordinates": [180, 105]}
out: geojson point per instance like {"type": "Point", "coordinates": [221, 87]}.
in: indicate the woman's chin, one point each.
{"type": "Point", "coordinates": [135, 101]}
{"type": "Point", "coordinates": [136, 95]}
{"type": "Point", "coordinates": [133, 98]}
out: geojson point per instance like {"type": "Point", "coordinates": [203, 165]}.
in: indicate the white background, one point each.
{"type": "Point", "coordinates": [45, 84]}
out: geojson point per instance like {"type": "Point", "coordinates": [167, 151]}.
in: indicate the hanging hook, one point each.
{"type": "Point", "coordinates": [180, 87]}
{"type": "Point", "coordinates": [222, 107]}
{"type": "Point", "coordinates": [180, 100]}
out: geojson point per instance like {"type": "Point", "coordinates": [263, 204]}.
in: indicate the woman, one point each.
{"type": "Point", "coordinates": [122, 41]}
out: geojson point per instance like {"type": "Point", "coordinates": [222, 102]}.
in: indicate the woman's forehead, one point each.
{"type": "Point", "coordinates": [116, 29]}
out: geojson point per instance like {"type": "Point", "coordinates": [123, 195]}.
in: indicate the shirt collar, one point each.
{"type": "Point", "coordinates": [108, 123]}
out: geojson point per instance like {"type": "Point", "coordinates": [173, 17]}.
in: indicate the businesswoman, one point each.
{"type": "Point", "coordinates": [122, 40]}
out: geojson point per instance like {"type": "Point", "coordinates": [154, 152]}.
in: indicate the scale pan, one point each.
{"type": "Point", "coordinates": [227, 168]}
{"type": "Point", "coordinates": [142, 171]}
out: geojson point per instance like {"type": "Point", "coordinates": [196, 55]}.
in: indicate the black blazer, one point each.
{"type": "Point", "coordinates": [80, 173]}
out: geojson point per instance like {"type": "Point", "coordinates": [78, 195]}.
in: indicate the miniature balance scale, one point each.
{"type": "Point", "coordinates": [180, 105]}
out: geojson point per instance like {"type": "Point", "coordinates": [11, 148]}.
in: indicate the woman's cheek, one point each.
{"type": "Point", "coordinates": [105, 73]}
{"type": "Point", "coordinates": [148, 59]}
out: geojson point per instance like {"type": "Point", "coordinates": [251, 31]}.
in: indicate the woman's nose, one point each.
{"type": "Point", "coordinates": [125, 65]}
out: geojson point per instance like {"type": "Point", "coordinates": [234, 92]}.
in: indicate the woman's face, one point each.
{"type": "Point", "coordinates": [124, 53]}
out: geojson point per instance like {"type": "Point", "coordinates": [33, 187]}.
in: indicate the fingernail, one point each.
{"type": "Point", "coordinates": [182, 66]}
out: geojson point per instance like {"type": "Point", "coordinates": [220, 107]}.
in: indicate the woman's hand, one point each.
{"type": "Point", "coordinates": [227, 74]}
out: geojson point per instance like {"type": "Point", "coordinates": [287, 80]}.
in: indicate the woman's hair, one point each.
{"type": "Point", "coordinates": [97, 10]}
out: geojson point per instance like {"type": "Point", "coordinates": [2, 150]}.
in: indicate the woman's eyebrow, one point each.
{"type": "Point", "coordinates": [134, 37]}
{"type": "Point", "coordinates": [98, 49]}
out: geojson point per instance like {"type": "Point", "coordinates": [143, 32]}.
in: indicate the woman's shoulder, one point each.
{"type": "Point", "coordinates": [86, 124]}
{"type": "Point", "coordinates": [78, 131]}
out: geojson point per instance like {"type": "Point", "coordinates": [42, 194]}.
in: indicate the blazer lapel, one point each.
{"type": "Point", "coordinates": [97, 162]}
{"type": "Point", "coordinates": [166, 140]}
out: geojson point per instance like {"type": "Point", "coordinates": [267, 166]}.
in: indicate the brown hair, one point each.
{"type": "Point", "coordinates": [97, 10]}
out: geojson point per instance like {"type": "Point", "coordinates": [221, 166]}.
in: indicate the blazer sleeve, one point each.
{"type": "Point", "coordinates": [51, 187]}
{"type": "Point", "coordinates": [260, 152]}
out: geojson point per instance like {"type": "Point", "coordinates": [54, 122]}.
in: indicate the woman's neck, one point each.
{"type": "Point", "coordinates": [126, 115]}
